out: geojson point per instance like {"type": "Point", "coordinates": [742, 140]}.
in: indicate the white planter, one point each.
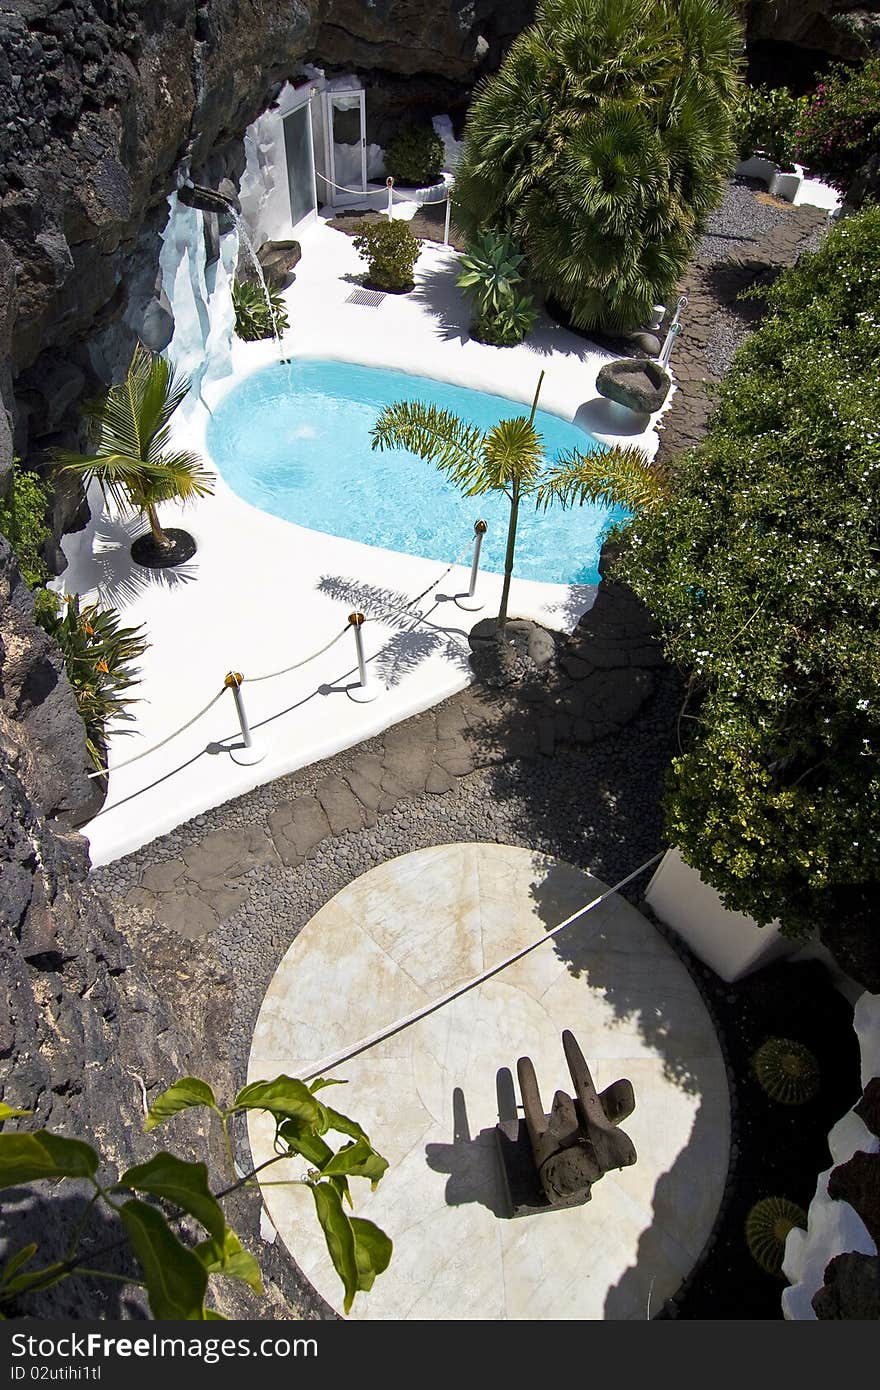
{"type": "Point", "coordinates": [786, 185]}
{"type": "Point", "coordinates": [729, 943]}
{"type": "Point", "coordinates": [756, 167]}
{"type": "Point", "coordinates": [781, 184]}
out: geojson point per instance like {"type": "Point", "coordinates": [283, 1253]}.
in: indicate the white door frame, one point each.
{"type": "Point", "coordinates": [303, 100]}
{"type": "Point", "coordinates": [336, 197]}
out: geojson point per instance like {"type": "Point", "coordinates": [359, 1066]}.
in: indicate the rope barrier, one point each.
{"type": "Point", "coordinates": [105, 771]}
{"type": "Point", "coordinates": [370, 192]}
{"type": "Point", "coordinates": [329, 1063]}
{"type": "Point", "coordinates": [252, 680]}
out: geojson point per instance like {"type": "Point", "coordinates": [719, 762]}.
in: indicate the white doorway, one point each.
{"type": "Point", "coordinates": [299, 151]}
{"type": "Point", "coordinates": [345, 144]}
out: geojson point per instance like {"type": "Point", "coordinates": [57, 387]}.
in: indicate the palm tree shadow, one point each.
{"type": "Point", "coordinates": [104, 563]}
{"type": "Point", "coordinates": [415, 639]}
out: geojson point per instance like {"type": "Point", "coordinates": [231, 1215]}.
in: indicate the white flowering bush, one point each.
{"type": "Point", "coordinates": [763, 569]}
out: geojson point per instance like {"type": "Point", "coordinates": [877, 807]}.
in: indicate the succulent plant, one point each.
{"type": "Point", "coordinates": [786, 1070]}
{"type": "Point", "coordinates": [767, 1227]}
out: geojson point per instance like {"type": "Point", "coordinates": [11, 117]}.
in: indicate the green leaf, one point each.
{"type": "Point", "coordinates": [8, 1112]}
{"type": "Point", "coordinates": [16, 1261]}
{"type": "Point", "coordinates": [339, 1237]}
{"type": "Point", "coordinates": [283, 1096]}
{"type": "Point", "coordinates": [186, 1092]}
{"type": "Point", "coordinates": [211, 1315]}
{"type": "Point", "coordinates": [343, 1125]}
{"type": "Point", "coordinates": [358, 1160]}
{"type": "Point", "coordinates": [175, 1277]}
{"type": "Point", "coordinates": [301, 1138]}
{"type": "Point", "coordinates": [28, 1157]}
{"type": "Point", "coordinates": [372, 1251]}
{"type": "Point", "coordinates": [184, 1184]}
{"type": "Point", "coordinates": [230, 1259]}
{"type": "Point", "coordinates": [36, 1279]}
{"type": "Point", "coordinates": [323, 1081]}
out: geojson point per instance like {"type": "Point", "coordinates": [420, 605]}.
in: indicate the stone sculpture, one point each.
{"type": "Point", "coordinates": [571, 1147]}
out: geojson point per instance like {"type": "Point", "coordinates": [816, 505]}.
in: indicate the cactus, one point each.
{"type": "Point", "coordinates": [767, 1227]}
{"type": "Point", "coordinates": [786, 1070]}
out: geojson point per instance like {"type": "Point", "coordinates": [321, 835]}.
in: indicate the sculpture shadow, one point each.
{"type": "Point", "coordinates": [472, 1163]}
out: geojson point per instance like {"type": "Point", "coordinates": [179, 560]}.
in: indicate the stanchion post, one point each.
{"type": "Point", "coordinates": [469, 600]}
{"type": "Point", "coordinates": [365, 690]}
{"type": "Point", "coordinates": [448, 216]}
{"type": "Point", "coordinates": [666, 350]}
{"type": "Point", "coordinates": [250, 751]}
{"type": "Point", "coordinates": [389, 183]}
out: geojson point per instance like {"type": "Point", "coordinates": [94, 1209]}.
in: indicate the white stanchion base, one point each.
{"type": "Point", "coordinates": [363, 694]}
{"type": "Point", "coordinates": [470, 604]}
{"type": "Point", "coordinates": [247, 756]}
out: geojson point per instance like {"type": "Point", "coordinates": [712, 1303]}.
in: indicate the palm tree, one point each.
{"type": "Point", "coordinates": [509, 458]}
{"type": "Point", "coordinates": [132, 464]}
{"type": "Point", "coordinates": [601, 145]}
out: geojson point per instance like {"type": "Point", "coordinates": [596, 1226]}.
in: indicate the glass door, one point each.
{"type": "Point", "coordinates": [300, 155]}
{"type": "Point", "coordinates": [346, 124]}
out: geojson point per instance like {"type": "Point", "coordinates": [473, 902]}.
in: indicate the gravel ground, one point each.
{"type": "Point", "coordinates": [740, 223]}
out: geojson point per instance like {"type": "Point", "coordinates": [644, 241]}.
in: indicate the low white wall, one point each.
{"type": "Point", "coordinates": [730, 943]}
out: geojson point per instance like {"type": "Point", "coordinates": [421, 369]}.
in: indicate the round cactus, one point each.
{"type": "Point", "coordinates": [767, 1227]}
{"type": "Point", "coordinates": [787, 1071]}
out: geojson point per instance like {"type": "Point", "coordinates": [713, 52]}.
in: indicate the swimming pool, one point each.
{"type": "Point", "coordinates": [294, 440]}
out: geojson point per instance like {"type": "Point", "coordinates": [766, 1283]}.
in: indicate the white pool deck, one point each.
{"type": "Point", "coordinates": [262, 593]}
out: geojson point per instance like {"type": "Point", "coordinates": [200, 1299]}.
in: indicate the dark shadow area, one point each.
{"type": "Point", "coordinates": [472, 1163]}
{"type": "Point", "coordinates": [109, 568]}
{"type": "Point", "coordinates": [728, 284]}
{"type": "Point", "coordinates": [26, 1216]}
{"type": "Point", "coordinates": [601, 416]}
{"type": "Point", "coordinates": [415, 639]}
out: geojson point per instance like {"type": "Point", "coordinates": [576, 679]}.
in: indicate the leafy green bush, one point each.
{"type": "Point", "coordinates": [254, 317]}
{"type": "Point", "coordinates": [768, 124]}
{"type": "Point", "coordinates": [602, 144]}
{"type": "Point", "coordinates": [391, 252]}
{"type": "Point", "coordinates": [150, 1200]}
{"type": "Point", "coordinates": [415, 156]}
{"type": "Point", "coordinates": [840, 127]}
{"type": "Point", "coordinates": [762, 570]}
{"type": "Point", "coordinates": [490, 275]}
{"type": "Point", "coordinates": [99, 656]}
{"type": "Point", "coordinates": [23, 523]}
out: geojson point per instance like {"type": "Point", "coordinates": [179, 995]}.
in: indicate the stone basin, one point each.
{"type": "Point", "coordinates": [637, 383]}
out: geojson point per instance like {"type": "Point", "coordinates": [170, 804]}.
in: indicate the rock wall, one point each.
{"type": "Point", "coordinates": [845, 29]}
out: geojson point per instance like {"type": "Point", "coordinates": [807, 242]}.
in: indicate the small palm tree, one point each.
{"type": "Point", "coordinates": [509, 458]}
{"type": "Point", "coordinates": [132, 463]}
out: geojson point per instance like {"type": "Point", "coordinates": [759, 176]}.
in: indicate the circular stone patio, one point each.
{"type": "Point", "coordinates": [410, 930]}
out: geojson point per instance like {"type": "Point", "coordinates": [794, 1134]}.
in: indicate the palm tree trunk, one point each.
{"type": "Point", "coordinates": [508, 558]}
{"type": "Point", "coordinates": [162, 541]}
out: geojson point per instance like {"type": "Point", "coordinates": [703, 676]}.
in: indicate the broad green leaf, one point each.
{"type": "Point", "coordinates": [343, 1125]}
{"type": "Point", "coordinates": [184, 1184]}
{"type": "Point", "coordinates": [28, 1157]}
{"type": "Point", "coordinates": [16, 1261]}
{"type": "Point", "coordinates": [357, 1160]}
{"type": "Point", "coordinates": [211, 1315]}
{"type": "Point", "coordinates": [339, 1237]}
{"type": "Point", "coordinates": [8, 1112]}
{"type": "Point", "coordinates": [300, 1138]}
{"type": "Point", "coordinates": [283, 1096]}
{"type": "Point", "coordinates": [186, 1092]}
{"type": "Point", "coordinates": [230, 1259]}
{"type": "Point", "coordinates": [175, 1277]}
{"type": "Point", "coordinates": [372, 1250]}
{"type": "Point", "coordinates": [323, 1081]}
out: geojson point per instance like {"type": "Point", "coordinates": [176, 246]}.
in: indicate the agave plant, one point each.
{"type": "Point", "coordinates": [767, 1226]}
{"type": "Point", "coordinates": [99, 656]}
{"type": "Point", "coordinates": [132, 463]}
{"type": "Point", "coordinates": [490, 275]}
{"type": "Point", "coordinates": [509, 458]}
{"type": "Point", "coordinates": [258, 315]}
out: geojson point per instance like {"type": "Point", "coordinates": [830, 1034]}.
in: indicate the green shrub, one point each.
{"type": "Point", "coordinates": [602, 144]}
{"type": "Point", "coordinates": [415, 156]}
{"type": "Point", "coordinates": [840, 126]}
{"type": "Point", "coordinates": [23, 523]}
{"type": "Point", "coordinates": [490, 275]}
{"type": "Point", "coordinates": [767, 1227]}
{"type": "Point", "coordinates": [391, 252]}
{"type": "Point", "coordinates": [768, 124]}
{"type": "Point", "coordinates": [99, 655]}
{"type": "Point", "coordinates": [254, 317]}
{"type": "Point", "coordinates": [762, 572]}
{"type": "Point", "coordinates": [510, 325]}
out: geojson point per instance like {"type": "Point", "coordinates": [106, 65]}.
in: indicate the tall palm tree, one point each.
{"type": "Point", "coordinates": [132, 463]}
{"type": "Point", "coordinates": [509, 458]}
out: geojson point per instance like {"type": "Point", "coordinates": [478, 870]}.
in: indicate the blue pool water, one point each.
{"type": "Point", "coordinates": [294, 440]}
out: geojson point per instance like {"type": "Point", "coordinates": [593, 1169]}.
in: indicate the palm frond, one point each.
{"type": "Point", "coordinates": [437, 436]}
{"type": "Point", "coordinates": [620, 476]}
{"type": "Point", "coordinates": [511, 453]}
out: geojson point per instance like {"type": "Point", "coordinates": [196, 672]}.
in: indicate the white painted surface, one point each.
{"type": "Point", "coordinates": [730, 943]}
{"type": "Point", "coordinates": [252, 599]}
{"type": "Point", "coordinates": [833, 1226]}
{"type": "Point", "coordinates": [793, 187]}
{"type": "Point", "coordinates": [399, 937]}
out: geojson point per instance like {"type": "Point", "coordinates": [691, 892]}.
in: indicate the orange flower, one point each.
{"type": "Point", "coordinates": [87, 628]}
{"type": "Point", "coordinates": [102, 666]}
